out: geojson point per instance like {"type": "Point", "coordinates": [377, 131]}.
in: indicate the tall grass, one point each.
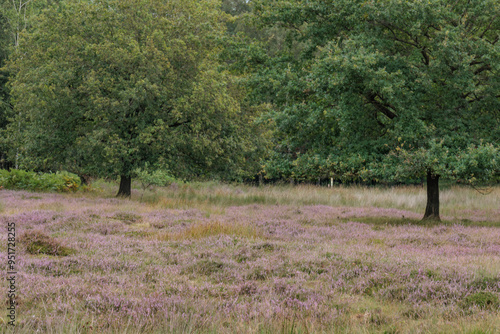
{"type": "Point", "coordinates": [457, 202]}
{"type": "Point", "coordinates": [454, 200]}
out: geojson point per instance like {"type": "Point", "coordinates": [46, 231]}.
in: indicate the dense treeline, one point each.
{"type": "Point", "coordinates": [359, 91]}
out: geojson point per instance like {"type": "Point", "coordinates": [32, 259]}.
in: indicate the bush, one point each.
{"type": "Point", "coordinates": [155, 177]}
{"type": "Point", "coordinates": [25, 180]}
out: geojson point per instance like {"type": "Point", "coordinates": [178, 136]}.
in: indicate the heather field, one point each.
{"type": "Point", "coordinates": [211, 258]}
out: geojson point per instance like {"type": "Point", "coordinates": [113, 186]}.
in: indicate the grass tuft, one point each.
{"type": "Point", "coordinates": [482, 299]}
{"type": "Point", "coordinates": [205, 267]}
{"type": "Point", "coordinates": [38, 243]}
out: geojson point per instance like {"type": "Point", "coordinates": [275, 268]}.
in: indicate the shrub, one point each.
{"type": "Point", "coordinates": [26, 180]}
{"type": "Point", "coordinates": [153, 178]}
{"type": "Point", "coordinates": [38, 243]}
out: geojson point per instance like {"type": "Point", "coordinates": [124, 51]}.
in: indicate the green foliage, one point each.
{"type": "Point", "coordinates": [5, 44]}
{"type": "Point", "coordinates": [102, 88]}
{"type": "Point", "coordinates": [37, 243]}
{"type": "Point", "coordinates": [153, 178]}
{"type": "Point", "coordinates": [25, 180]}
{"type": "Point", "coordinates": [15, 18]}
{"type": "Point", "coordinates": [383, 90]}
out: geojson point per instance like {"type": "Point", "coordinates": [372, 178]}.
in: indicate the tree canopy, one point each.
{"type": "Point", "coordinates": [385, 90]}
{"type": "Point", "coordinates": [106, 87]}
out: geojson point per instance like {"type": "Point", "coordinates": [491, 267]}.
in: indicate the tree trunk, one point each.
{"type": "Point", "coordinates": [432, 209]}
{"type": "Point", "coordinates": [125, 186]}
{"type": "Point", "coordinates": [85, 179]}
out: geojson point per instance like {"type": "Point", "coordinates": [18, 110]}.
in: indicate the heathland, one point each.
{"type": "Point", "coordinates": [215, 258]}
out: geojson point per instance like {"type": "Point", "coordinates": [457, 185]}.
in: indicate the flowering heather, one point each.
{"type": "Point", "coordinates": [253, 268]}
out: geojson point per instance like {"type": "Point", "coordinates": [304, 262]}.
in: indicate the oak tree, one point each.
{"type": "Point", "coordinates": [387, 90]}
{"type": "Point", "coordinates": [106, 87]}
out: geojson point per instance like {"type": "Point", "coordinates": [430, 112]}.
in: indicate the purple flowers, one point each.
{"type": "Point", "coordinates": [318, 267]}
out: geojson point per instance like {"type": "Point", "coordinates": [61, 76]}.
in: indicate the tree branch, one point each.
{"type": "Point", "coordinates": [380, 106]}
{"type": "Point", "coordinates": [493, 42]}
{"type": "Point", "coordinates": [392, 28]}
{"type": "Point", "coordinates": [177, 124]}
{"type": "Point", "coordinates": [483, 68]}
{"type": "Point", "coordinates": [426, 56]}
{"type": "Point", "coordinates": [488, 27]}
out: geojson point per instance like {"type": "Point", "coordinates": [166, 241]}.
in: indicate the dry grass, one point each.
{"type": "Point", "coordinates": [212, 228]}
{"type": "Point", "coordinates": [456, 201]}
